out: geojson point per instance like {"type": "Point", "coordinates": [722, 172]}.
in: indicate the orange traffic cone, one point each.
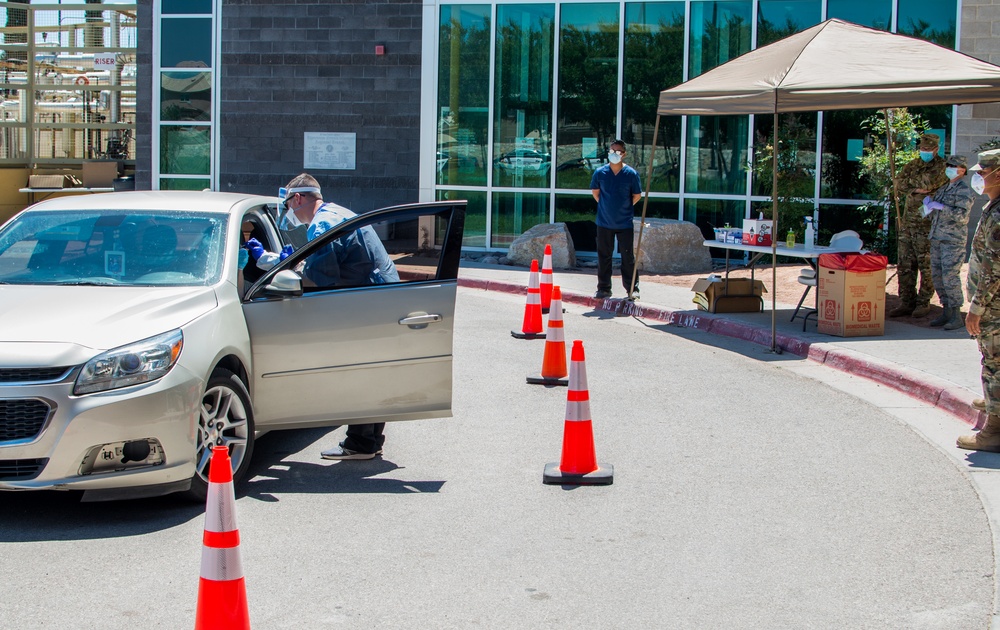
{"type": "Point", "coordinates": [222, 595]}
{"type": "Point", "coordinates": [532, 326]}
{"type": "Point", "coordinates": [554, 358]}
{"type": "Point", "coordinates": [545, 282]}
{"type": "Point", "coordinates": [579, 465]}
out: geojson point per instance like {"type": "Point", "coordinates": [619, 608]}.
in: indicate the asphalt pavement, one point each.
{"type": "Point", "coordinates": [939, 370]}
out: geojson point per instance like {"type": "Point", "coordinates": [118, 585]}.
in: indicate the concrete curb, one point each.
{"type": "Point", "coordinates": [924, 387]}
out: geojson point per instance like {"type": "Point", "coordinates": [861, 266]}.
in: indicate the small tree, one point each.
{"type": "Point", "coordinates": [878, 217]}
{"type": "Point", "coordinates": [796, 179]}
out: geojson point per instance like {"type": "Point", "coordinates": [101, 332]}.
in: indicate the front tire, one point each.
{"type": "Point", "coordinates": [225, 419]}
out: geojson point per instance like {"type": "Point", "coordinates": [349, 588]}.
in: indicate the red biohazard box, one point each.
{"type": "Point", "coordinates": [757, 231]}
{"type": "Point", "coordinates": [851, 295]}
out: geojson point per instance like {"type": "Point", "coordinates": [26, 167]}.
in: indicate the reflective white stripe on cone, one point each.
{"type": "Point", "coordinates": [554, 358]}
{"type": "Point", "coordinates": [222, 597]}
{"type": "Point", "coordinates": [545, 282]}
{"type": "Point", "coordinates": [578, 465]}
{"type": "Point", "coordinates": [531, 327]}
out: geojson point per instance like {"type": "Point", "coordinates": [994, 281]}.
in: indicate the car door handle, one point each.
{"type": "Point", "coordinates": [420, 320]}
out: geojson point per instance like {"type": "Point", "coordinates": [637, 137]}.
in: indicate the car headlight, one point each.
{"type": "Point", "coordinates": [140, 362]}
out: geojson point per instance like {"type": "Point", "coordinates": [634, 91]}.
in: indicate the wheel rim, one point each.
{"type": "Point", "coordinates": [223, 422]}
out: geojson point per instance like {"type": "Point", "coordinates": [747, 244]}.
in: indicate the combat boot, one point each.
{"type": "Point", "coordinates": [921, 310]}
{"type": "Point", "coordinates": [956, 321]}
{"type": "Point", "coordinates": [941, 319]}
{"type": "Point", "coordinates": [988, 438]}
{"type": "Point", "coordinates": [902, 310]}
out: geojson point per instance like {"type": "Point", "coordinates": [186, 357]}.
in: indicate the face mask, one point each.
{"type": "Point", "coordinates": [927, 156]}
{"type": "Point", "coordinates": [614, 158]}
{"type": "Point", "coordinates": [243, 258]}
{"type": "Point", "coordinates": [978, 183]}
{"type": "Point", "coordinates": [951, 172]}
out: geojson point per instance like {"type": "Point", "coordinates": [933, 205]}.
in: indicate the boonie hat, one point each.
{"type": "Point", "coordinates": [929, 141]}
{"type": "Point", "coordinates": [957, 160]}
{"type": "Point", "coordinates": [987, 159]}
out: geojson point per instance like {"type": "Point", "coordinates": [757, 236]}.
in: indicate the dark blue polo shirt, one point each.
{"type": "Point", "coordinates": [614, 207]}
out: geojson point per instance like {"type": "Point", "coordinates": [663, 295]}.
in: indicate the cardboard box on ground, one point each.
{"type": "Point", "coordinates": [735, 295]}
{"type": "Point", "coordinates": [851, 297]}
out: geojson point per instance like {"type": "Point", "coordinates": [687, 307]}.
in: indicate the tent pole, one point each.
{"type": "Point", "coordinates": [645, 204]}
{"type": "Point", "coordinates": [892, 168]}
{"type": "Point", "coordinates": [774, 232]}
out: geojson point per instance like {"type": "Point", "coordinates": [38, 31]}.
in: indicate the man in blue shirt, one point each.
{"type": "Point", "coordinates": [616, 189]}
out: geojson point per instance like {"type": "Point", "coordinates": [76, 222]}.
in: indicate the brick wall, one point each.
{"type": "Point", "coordinates": [979, 38]}
{"type": "Point", "coordinates": [310, 66]}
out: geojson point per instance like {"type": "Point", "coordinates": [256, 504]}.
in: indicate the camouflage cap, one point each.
{"type": "Point", "coordinates": [929, 141]}
{"type": "Point", "coordinates": [957, 160]}
{"type": "Point", "coordinates": [987, 159]}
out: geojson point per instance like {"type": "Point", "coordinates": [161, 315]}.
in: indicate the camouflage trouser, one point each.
{"type": "Point", "coordinates": [989, 346]}
{"type": "Point", "coordinates": [972, 278]}
{"type": "Point", "coordinates": [946, 266]}
{"type": "Point", "coordinates": [914, 256]}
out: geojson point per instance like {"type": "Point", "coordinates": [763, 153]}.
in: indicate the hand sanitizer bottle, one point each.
{"type": "Point", "coordinates": [790, 240]}
{"type": "Point", "coordinates": [810, 238]}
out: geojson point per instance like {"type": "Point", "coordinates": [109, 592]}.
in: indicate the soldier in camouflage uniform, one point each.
{"type": "Point", "coordinates": [951, 207]}
{"type": "Point", "coordinates": [983, 321]}
{"type": "Point", "coordinates": [920, 177]}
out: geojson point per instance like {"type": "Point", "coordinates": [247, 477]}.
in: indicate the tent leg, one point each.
{"type": "Point", "coordinates": [774, 236]}
{"type": "Point", "coordinates": [645, 204]}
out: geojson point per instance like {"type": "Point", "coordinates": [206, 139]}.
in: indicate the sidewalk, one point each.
{"type": "Point", "coordinates": [940, 368]}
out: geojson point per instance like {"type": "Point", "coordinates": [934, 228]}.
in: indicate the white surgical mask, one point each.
{"type": "Point", "coordinates": [951, 172]}
{"type": "Point", "coordinates": [614, 158]}
{"type": "Point", "coordinates": [978, 183]}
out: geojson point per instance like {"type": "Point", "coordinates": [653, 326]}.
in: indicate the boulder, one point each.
{"type": "Point", "coordinates": [674, 247]}
{"type": "Point", "coordinates": [531, 246]}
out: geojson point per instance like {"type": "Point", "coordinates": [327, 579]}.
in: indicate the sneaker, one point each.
{"type": "Point", "coordinates": [602, 295]}
{"type": "Point", "coordinates": [339, 452]}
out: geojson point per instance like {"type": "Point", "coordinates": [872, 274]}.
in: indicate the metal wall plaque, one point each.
{"type": "Point", "coordinates": [329, 151]}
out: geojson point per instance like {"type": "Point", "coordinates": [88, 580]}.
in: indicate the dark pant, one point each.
{"type": "Point", "coordinates": [365, 438]}
{"type": "Point", "coordinates": [605, 250]}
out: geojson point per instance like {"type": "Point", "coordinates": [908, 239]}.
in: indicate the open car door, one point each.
{"type": "Point", "coordinates": [331, 349]}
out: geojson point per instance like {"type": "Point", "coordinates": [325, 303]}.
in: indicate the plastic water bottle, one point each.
{"type": "Point", "coordinates": [810, 239]}
{"type": "Point", "coordinates": [790, 239]}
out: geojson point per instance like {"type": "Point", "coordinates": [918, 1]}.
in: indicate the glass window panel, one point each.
{"type": "Point", "coordinates": [475, 215]}
{"type": "Point", "coordinates": [843, 141]}
{"type": "Point", "coordinates": [933, 20]}
{"type": "Point", "coordinates": [654, 61]}
{"type": "Point", "coordinates": [463, 95]}
{"type": "Point", "coordinates": [588, 90]}
{"type": "Point", "coordinates": [872, 13]}
{"type": "Point", "coordinates": [867, 221]}
{"type": "Point", "coordinates": [186, 6]}
{"type": "Point", "coordinates": [185, 150]}
{"type": "Point", "coordinates": [717, 154]}
{"type": "Point", "coordinates": [578, 213]}
{"type": "Point", "coordinates": [523, 88]}
{"type": "Point", "coordinates": [720, 31]}
{"type": "Point", "coordinates": [796, 168]}
{"type": "Point", "coordinates": [777, 19]}
{"type": "Point", "coordinates": [709, 214]}
{"type": "Point", "coordinates": [185, 96]}
{"type": "Point", "coordinates": [186, 43]}
{"type": "Point", "coordinates": [514, 213]}
{"type": "Point", "coordinates": [173, 183]}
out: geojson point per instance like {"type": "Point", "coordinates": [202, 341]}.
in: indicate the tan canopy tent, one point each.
{"type": "Point", "coordinates": [833, 65]}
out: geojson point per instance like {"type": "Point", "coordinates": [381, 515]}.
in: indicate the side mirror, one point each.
{"type": "Point", "coordinates": [284, 283]}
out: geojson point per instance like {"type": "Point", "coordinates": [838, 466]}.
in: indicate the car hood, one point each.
{"type": "Point", "coordinates": [96, 318]}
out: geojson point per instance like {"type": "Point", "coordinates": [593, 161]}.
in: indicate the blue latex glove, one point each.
{"type": "Point", "coordinates": [255, 248]}
{"type": "Point", "coordinates": [286, 251]}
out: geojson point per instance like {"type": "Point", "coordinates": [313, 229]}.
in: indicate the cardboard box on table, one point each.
{"type": "Point", "coordinates": [737, 295]}
{"type": "Point", "coordinates": [851, 293]}
{"type": "Point", "coordinates": [99, 174]}
{"type": "Point", "coordinates": [757, 231]}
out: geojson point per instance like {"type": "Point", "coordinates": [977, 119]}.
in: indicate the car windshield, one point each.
{"type": "Point", "coordinates": [113, 247]}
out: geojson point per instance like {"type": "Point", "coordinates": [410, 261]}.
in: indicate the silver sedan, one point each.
{"type": "Point", "coordinates": [133, 339]}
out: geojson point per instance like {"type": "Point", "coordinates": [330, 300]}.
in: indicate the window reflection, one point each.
{"type": "Point", "coordinates": [185, 150]}
{"type": "Point", "coordinates": [588, 90]}
{"type": "Point", "coordinates": [185, 95]}
{"type": "Point", "coordinates": [475, 214]}
{"type": "Point", "coordinates": [709, 214]}
{"type": "Point", "coordinates": [872, 13]}
{"type": "Point", "coordinates": [523, 84]}
{"type": "Point", "coordinates": [717, 154]}
{"type": "Point", "coordinates": [514, 213]}
{"type": "Point", "coordinates": [654, 61]}
{"type": "Point", "coordinates": [933, 20]}
{"type": "Point", "coordinates": [720, 31]}
{"type": "Point", "coordinates": [186, 43]}
{"type": "Point", "coordinates": [777, 19]}
{"type": "Point", "coordinates": [463, 95]}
